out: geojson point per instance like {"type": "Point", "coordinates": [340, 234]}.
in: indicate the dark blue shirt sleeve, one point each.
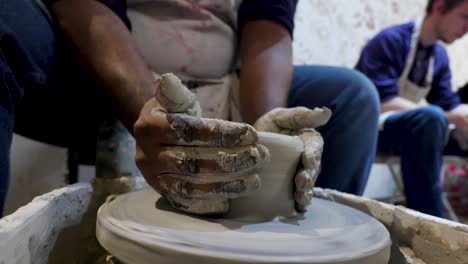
{"type": "Point", "coordinates": [382, 61]}
{"type": "Point", "coordinates": [279, 11]}
{"type": "Point", "coordinates": [441, 93]}
{"type": "Point", "coordinates": [119, 7]}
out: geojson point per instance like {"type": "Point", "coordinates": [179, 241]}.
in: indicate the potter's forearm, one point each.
{"type": "Point", "coordinates": [266, 70]}
{"type": "Point", "coordinates": [106, 48]}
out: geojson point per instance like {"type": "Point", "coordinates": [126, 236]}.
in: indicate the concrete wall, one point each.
{"type": "Point", "coordinates": [36, 168]}
{"type": "Point", "coordinates": [328, 32]}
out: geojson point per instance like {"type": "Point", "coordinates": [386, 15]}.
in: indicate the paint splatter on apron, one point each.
{"type": "Point", "coordinates": [196, 40]}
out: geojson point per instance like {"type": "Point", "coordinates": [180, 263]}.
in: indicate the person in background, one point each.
{"type": "Point", "coordinates": [407, 64]}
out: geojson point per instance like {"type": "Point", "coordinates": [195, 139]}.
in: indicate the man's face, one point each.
{"type": "Point", "coordinates": [453, 24]}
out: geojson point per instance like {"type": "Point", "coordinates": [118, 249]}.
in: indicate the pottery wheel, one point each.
{"type": "Point", "coordinates": [141, 227]}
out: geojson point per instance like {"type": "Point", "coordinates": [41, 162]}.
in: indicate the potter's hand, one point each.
{"type": "Point", "coordinates": [300, 121]}
{"type": "Point", "coordinates": [196, 163]}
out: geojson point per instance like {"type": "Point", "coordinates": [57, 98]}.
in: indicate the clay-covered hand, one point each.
{"type": "Point", "coordinates": [300, 121]}
{"type": "Point", "coordinates": [196, 163]}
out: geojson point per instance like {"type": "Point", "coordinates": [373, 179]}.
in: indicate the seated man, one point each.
{"type": "Point", "coordinates": [407, 65]}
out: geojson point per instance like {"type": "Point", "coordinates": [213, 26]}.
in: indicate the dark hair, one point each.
{"type": "Point", "coordinates": [448, 5]}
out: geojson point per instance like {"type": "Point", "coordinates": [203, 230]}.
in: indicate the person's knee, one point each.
{"type": "Point", "coordinates": [433, 117]}
{"type": "Point", "coordinates": [365, 89]}
{"type": "Point", "coordinates": [431, 123]}
{"type": "Point", "coordinates": [362, 94]}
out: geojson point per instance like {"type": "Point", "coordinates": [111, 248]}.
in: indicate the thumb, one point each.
{"type": "Point", "coordinates": [175, 97]}
{"type": "Point", "coordinates": [302, 117]}
{"type": "Point", "coordinates": [312, 155]}
{"type": "Point", "coordinates": [291, 119]}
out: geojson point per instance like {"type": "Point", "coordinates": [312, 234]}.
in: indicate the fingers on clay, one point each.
{"type": "Point", "coordinates": [205, 165]}
{"type": "Point", "coordinates": [303, 200]}
{"type": "Point", "coordinates": [303, 181]}
{"type": "Point", "coordinates": [304, 184]}
{"type": "Point", "coordinates": [266, 123]}
{"type": "Point", "coordinates": [312, 155]}
{"type": "Point", "coordinates": [200, 206]}
{"type": "Point", "coordinates": [192, 131]}
{"type": "Point", "coordinates": [170, 185]}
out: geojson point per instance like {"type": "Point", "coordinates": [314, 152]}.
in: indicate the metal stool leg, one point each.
{"type": "Point", "coordinates": [72, 166]}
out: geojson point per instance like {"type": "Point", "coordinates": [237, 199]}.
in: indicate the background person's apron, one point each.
{"type": "Point", "coordinates": [408, 89]}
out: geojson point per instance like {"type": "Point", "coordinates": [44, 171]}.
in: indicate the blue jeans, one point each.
{"type": "Point", "coordinates": [419, 137]}
{"type": "Point", "coordinates": [350, 135]}
{"type": "Point", "coordinates": [45, 95]}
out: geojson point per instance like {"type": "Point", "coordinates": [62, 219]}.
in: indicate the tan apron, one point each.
{"type": "Point", "coordinates": [408, 89]}
{"type": "Point", "coordinates": [196, 40]}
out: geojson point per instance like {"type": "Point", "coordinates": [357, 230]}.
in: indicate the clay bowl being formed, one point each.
{"type": "Point", "coordinates": [275, 197]}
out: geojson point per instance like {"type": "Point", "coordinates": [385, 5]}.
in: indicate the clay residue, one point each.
{"type": "Point", "coordinates": [409, 256]}
{"type": "Point", "coordinates": [288, 121]}
{"type": "Point", "coordinates": [432, 239]}
{"type": "Point", "coordinates": [188, 163]}
{"type": "Point", "coordinates": [170, 185]}
{"type": "Point", "coordinates": [234, 162]}
{"type": "Point", "coordinates": [175, 97]}
{"type": "Point", "coordinates": [29, 234]}
{"type": "Point", "coordinates": [206, 164]}
{"type": "Point", "coordinates": [199, 206]}
{"type": "Point", "coordinates": [211, 132]}
{"type": "Point", "coordinates": [78, 244]}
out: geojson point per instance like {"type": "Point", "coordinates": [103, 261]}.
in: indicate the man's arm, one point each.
{"type": "Point", "coordinates": [106, 48]}
{"type": "Point", "coordinates": [397, 104]}
{"type": "Point", "coordinates": [266, 76]}
{"type": "Point", "coordinates": [266, 71]}
{"type": "Point", "coordinates": [382, 60]}
{"type": "Point", "coordinates": [459, 116]}
{"type": "Point", "coordinates": [442, 93]}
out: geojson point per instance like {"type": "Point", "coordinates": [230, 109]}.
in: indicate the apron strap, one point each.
{"type": "Point", "coordinates": [413, 49]}
{"type": "Point", "coordinates": [430, 72]}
